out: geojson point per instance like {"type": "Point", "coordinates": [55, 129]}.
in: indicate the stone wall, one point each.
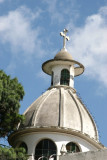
{"type": "Point", "coordinates": [91, 155]}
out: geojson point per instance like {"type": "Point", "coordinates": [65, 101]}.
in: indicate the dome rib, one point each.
{"type": "Point", "coordinates": [60, 107]}
{"type": "Point", "coordinates": [59, 121]}
{"type": "Point", "coordinates": [92, 120]}
{"type": "Point", "coordinates": [39, 106]}
{"type": "Point", "coordinates": [78, 109]}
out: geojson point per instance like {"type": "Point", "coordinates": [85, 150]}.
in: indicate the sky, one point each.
{"type": "Point", "coordinates": [29, 35]}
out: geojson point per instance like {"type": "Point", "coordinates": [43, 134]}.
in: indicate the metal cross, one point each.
{"type": "Point", "coordinates": [63, 34]}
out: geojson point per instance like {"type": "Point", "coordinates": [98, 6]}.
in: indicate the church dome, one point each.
{"type": "Point", "coordinates": [60, 107]}
{"type": "Point", "coordinates": [63, 55]}
{"type": "Point", "coordinates": [58, 118]}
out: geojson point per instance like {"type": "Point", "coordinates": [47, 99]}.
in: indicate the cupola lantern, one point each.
{"type": "Point", "coordinates": [63, 68]}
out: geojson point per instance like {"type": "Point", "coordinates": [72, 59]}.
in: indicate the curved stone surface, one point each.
{"type": "Point", "coordinates": [63, 55]}
{"type": "Point", "coordinates": [60, 107]}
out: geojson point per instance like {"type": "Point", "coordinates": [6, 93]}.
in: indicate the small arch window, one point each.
{"type": "Point", "coordinates": [52, 78]}
{"type": "Point", "coordinates": [23, 145]}
{"type": "Point", "coordinates": [65, 77]}
{"type": "Point", "coordinates": [72, 147]}
{"type": "Point", "coordinates": [44, 149]}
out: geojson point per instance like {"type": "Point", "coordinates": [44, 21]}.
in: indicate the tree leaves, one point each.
{"type": "Point", "coordinates": [13, 154]}
{"type": "Point", "coordinates": [11, 93]}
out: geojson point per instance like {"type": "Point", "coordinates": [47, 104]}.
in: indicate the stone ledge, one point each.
{"type": "Point", "coordinates": [91, 155]}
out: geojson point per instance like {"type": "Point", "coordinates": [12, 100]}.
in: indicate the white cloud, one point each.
{"type": "Point", "coordinates": [60, 11]}
{"type": "Point", "coordinates": [52, 9]}
{"type": "Point", "coordinates": [2, 1]}
{"type": "Point", "coordinates": [89, 45]}
{"type": "Point", "coordinates": [17, 31]}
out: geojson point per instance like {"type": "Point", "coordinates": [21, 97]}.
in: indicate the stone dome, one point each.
{"type": "Point", "coordinates": [63, 55]}
{"type": "Point", "coordinates": [60, 107]}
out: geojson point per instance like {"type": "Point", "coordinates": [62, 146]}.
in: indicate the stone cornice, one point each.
{"type": "Point", "coordinates": [52, 129]}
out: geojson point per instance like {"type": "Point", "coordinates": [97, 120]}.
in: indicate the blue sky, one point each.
{"type": "Point", "coordinates": [29, 35]}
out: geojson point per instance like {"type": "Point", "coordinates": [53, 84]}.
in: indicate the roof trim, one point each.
{"type": "Point", "coordinates": [30, 130]}
{"type": "Point", "coordinates": [47, 66]}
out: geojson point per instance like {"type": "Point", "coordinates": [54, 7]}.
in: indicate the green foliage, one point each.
{"type": "Point", "coordinates": [11, 93]}
{"type": "Point", "coordinates": [13, 154]}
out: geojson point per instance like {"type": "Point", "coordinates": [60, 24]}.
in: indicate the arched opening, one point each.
{"type": "Point", "coordinates": [44, 149]}
{"type": "Point", "coordinates": [65, 77]}
{"type": "Point", "coordinates": [52, 78]}
{"type": "Point", "coordinates": [72, 147]}
{"type": "Point", "coordinates": [23, 145]}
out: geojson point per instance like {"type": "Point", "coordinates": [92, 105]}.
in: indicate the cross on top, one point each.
{"type": "Point", "coordinates": [63, 34]}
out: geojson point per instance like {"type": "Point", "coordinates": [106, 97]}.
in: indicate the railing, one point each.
{"type": "Point", "coordinates": [6, 157]}
{"type": "Point", "coordinates": [48, 158]}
